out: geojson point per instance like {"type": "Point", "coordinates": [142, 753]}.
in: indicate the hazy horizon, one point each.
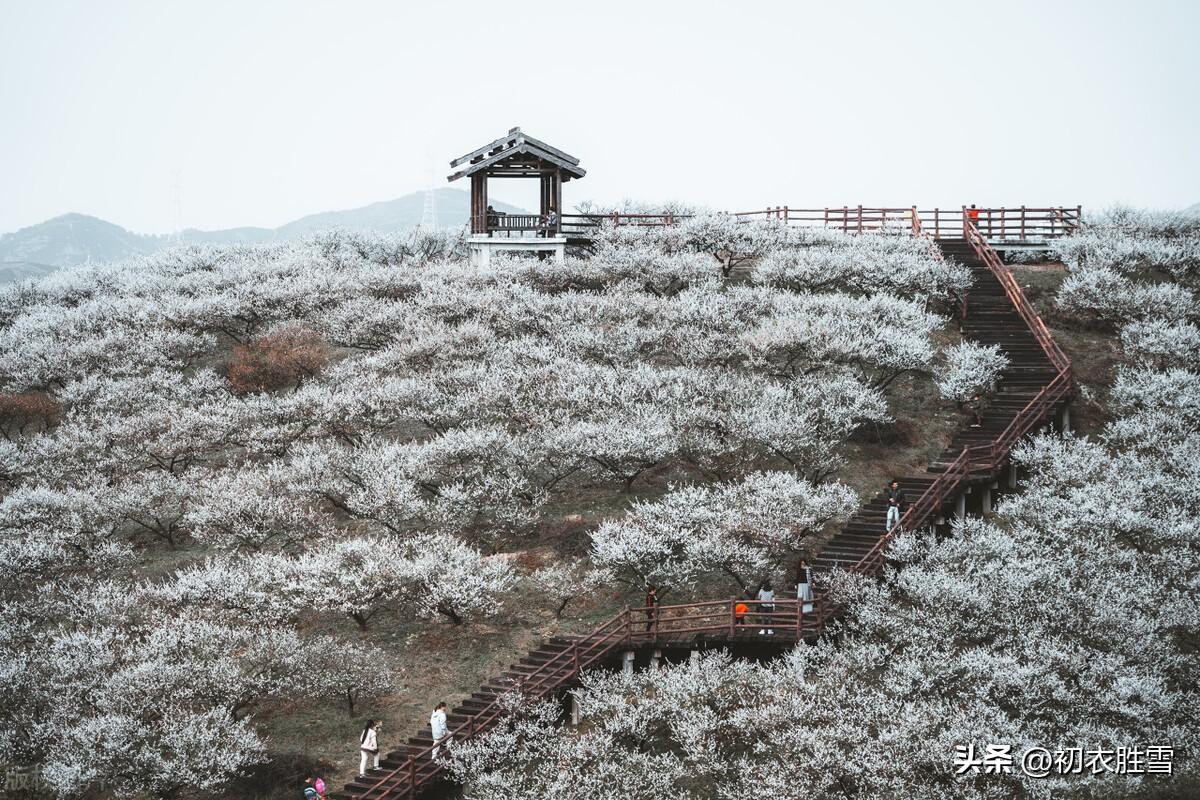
{"type": "Point", "coordinates": [158, 117]}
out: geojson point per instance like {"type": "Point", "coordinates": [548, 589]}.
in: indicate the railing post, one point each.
{"type": "Point", "coordinates": [860, 217]}
{"type": "Point", "coordinates": [412, 775]}
{"type": "Point", "coordinates": [799, 616]}
{"type": "Point", "coordinates": [732, 616]}
{"type": "Point", "coordinates": [787, 215]}
{"type": "Point", "coordinates": [1022, 223]}
{"type": "Point", "coordinates": [575, 656]}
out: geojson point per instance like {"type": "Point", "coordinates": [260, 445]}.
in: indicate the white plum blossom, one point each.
{"type": "Point", "coordinates": [971, 369]}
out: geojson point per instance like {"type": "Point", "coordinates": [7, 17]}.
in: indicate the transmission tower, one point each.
{"type": "Point", "coordinates": [429, 215]}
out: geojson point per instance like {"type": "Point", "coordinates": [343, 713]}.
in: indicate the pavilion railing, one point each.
{"type": "Point", "coordinates": [512, 224]}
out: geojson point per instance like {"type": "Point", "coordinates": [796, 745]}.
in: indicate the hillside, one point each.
{"type": "Point", "coordinates": [73, 238]}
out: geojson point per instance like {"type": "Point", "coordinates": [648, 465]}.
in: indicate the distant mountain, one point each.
{"type": "Point", "coordinates": [72, 239]}
{"type": "Point", "coordinates": [77, 238]}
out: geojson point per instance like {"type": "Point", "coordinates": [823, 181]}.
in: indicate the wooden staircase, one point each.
{"type": "Point", "coordinates": [992, 318]}
{"type": "Point", "coordinates": [413, 765]}
{"type": "Point", "coordinates": [1035, 383]}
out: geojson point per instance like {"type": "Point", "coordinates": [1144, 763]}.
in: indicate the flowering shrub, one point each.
{"type": "Point", "coordinates": [276, 360]}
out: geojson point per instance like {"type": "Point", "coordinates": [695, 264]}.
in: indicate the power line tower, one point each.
{"type": "Point", "coordinates": [429, 214]}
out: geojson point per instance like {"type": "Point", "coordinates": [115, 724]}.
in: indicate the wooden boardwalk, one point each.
{"type": "Point", "coordinates": [1036, 383]}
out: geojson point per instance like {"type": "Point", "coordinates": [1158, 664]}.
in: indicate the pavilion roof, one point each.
{"type": "Point", "coordinates": [517, 155]}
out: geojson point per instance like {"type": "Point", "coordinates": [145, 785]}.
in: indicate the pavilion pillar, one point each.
{"type": "Point", "coordinates": [556, 194]}
{"type": "Point", "coordinates": [655, 658]}
{"type": "Point", "coordinates": [479, 203]}
{"type": "Point", "coordinates": [960, 507]}
{"type": "Point", "coordinates": [1012, 474]}
{"type": "Point", "coordinates": [627, 662]}
{"type": "Point", "coordinates": [574, 709]}
{"type": "Point", "coordinates": [546, 195]}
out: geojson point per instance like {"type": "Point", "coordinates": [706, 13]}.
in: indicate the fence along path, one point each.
{"type": "Point", "coordinates": [1035, 383]}
{"type": "Point", "coordinates": [999, 224]}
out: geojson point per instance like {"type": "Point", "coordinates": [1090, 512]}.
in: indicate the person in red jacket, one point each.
{"type": "Point", "coordinates": [651, 606]}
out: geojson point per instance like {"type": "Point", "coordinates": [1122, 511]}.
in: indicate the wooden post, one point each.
{"type": "Point", "coordinates": [860, 217]}
{"type": "Point", "coordinates": [799, 617]}
{"type": "Point", "coordinates": [1022, 223]}
{"type": "Point", "coordinates": [1003, 225]}
{"type": "Point", "coordinates": [937, 222]}
{"type": "Point", "coordinates": [732, 615]}
{"type": "Point", "coordinates": [826, 216]}
{"type": "Point", "coordinates": [846, 219]}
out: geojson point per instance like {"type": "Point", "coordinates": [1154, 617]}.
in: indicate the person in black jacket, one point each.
{"type": "Point", "coordinates": [896, 503]}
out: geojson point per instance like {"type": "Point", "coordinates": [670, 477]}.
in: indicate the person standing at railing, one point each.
{"type": "Point", "coordinates": [804, 593]}
{"type": "Point", "coordinates": [438, 728]}
{"type": "Point", "coordinates": [766, 607]}
{"type": "Point", "coordinates": [739, 612]}
{"type": "Point", "coordinates": [896, 502]}
{"type": "Point", "coordinates": [973, 215]}
{"type": "Point", "coordinates": [550, 223]}
{"type": "Point", "coordinates": [651, 606]}
{"type": "Point", "coordinates": [368, 744]}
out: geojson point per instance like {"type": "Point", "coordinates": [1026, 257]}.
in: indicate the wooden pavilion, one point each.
{"type": "Point", "coordinates": [517, 155]}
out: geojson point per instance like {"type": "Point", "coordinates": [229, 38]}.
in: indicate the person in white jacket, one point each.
{"type": "Point", "coordinates": [368, 745]}
{"type": "Point", "coordinates": [766, 605]}
{"type": "Point", "coordinates": [438, 727]}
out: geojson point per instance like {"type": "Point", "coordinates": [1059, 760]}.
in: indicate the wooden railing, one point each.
{"type": "Point", "coordinates": [1001, 224]}
{"type": "Point", "coordinates": [519, 224]}
{"type": "Point", "coordinates": [802, 619]}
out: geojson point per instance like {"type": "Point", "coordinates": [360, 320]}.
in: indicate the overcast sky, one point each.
{"type": "Point", "coordinates": [262, 111]}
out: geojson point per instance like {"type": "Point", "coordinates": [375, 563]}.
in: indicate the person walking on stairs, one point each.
{"type": "Point", "coordinates": [804, 593]}
{"type": "Point", "coordinates": [766, 607]}
{"type": "Point", "coordinates": [439, 728]}
{"type": "Point", "coordinates": [651, 606]}
{"type": "Point", "coordinates": [895, 504]}
{"type": "Point", "coordinates": [368, 744]}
